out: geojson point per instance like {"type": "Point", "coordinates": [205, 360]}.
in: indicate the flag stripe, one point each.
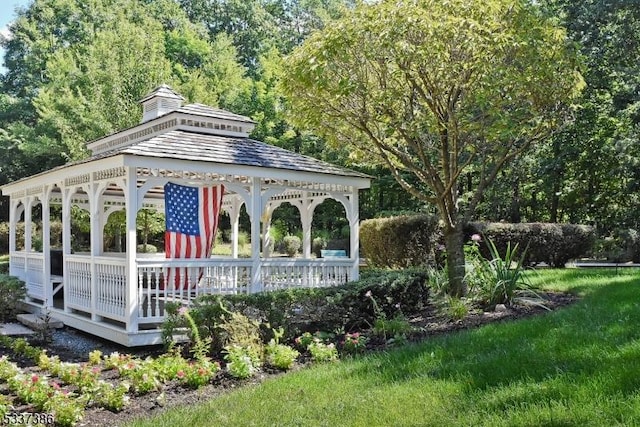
{"type": "Point", "coordinates": [191, 224]}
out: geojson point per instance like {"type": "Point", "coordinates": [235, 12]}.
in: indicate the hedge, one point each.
{"type": "Point", "coordinates": [554, 244]}
{"type": "Point", "coordinates": [401, 241]}
{"type": "Point", "coordinates": [326, 309]}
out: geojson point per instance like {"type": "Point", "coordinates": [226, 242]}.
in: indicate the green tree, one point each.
{"type": "Point", "coordinates": [433, 88]}
{"type": "Point", "coordinates": [257, 26]}
{"type": "Point", "coordinates": [594, 162]}
{"type": "Point", "coordinates": [79, 69]}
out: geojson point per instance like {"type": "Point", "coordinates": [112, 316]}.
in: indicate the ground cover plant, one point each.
{"type": "Point", "coordinates": [575, 366]}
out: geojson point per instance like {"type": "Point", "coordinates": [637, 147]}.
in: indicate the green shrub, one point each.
{"type": "Point", "coordinates": [243, 239]}
{"type": "Point", "coordinates": [237, 330]}
{"type": "Point", "coordinates": [281, 356]}
{"type": "Point", "coordinates": [12, 292]}
{"type": "Point", "coordinates": [242, 362]}
{"type": "Point", "coordinates": [317, 245]}
{"type": "Point", "coordinates": [400, 242]}
{"type": "Point", "coordinates": [321, 352]}
{"type": "Point", "coordinates": [301, 310]}
{"type": "Point", "coordinates": [291, 245]}
{"type": "Point", "coordinates": [454, 308]}
{"type": "Point", "coordinates": [148, 249]}
{"type": "Point", "coordinates": [388, 328]}
{"type": "Point", "coordinates": [4, 236]}
{"type": "Point", "coordinates": [554, 244]}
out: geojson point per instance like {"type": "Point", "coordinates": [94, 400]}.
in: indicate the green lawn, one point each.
{"type": "Point", "coordinates": [576, 366]}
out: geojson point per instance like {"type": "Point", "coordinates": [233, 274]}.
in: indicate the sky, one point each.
{"type": "Point", "coordinates": [7, 14]}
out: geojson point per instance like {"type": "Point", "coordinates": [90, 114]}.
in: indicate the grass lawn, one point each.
{"type": "Point", "coordinates": [577, 366]}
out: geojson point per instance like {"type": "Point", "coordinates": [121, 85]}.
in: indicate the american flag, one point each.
{"type": "Point", "coordinates": [191, 215]}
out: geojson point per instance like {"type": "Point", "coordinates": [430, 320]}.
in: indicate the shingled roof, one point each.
{"type": "Point", "coordinates": [185, 145]}
{"type": "Point", "coordinates": [205, 110]}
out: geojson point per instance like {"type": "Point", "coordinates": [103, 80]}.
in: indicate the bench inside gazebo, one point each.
{"type": "Point", "coordinates": [177, 152]}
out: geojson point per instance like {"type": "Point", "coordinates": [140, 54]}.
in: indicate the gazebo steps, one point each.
{"type": "Point", "coordinates": [15, 330]}
{"type": "Point", "coordinates": [39, 322]}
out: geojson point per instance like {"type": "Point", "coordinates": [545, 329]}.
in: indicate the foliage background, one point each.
{"type": "Point", "coordinates": [75, 69]}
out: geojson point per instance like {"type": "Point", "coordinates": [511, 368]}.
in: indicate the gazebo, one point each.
{"type": "Point", "coordinates": [121, 296]}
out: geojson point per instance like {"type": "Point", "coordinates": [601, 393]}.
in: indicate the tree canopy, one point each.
{"type": "Point", "coordinates": [75, 69]}
{"type": "Point", "coordinates": [437, 89]}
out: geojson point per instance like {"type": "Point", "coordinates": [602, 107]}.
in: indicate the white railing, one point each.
{"type": "Point", "coordinates": [101, 289]}
{"type": "Point", "coordinates": [304, 273]}
{"type": "Point", "coordinates": [111, 288]}
{"type": "Point", "coordinates": [34, 279]}
{"type": "Point", "coordinates": [105, 295]}
{"type": "Point", "coordinates": [227, 276]}
{"type": "Point", "coordinates": [77, 282]}
{"type": "Point", "coordinates": [17, 261]}
{"type": "Point", "coordinates": [195, 278]}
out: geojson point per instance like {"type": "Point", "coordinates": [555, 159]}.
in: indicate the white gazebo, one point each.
{"type": "Point", "coordinates": [121, 296]}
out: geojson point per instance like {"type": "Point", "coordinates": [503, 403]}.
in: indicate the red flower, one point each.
{"type": "Point", "coordinates": [180, 374]}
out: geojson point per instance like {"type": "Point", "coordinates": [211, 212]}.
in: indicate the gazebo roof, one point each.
{"type": "Point", "coordinates": [206, 111]}
{"type": "Point", "coordinates": [202, 134]}
{"type": "Point", "coordinates": [187, 145]}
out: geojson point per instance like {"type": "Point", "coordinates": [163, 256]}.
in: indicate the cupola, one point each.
{"type": "Point", "coordinates": [160, 101]}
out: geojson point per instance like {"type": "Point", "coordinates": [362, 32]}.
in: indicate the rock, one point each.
{"type": "Point", "coordinates": [500, 308]}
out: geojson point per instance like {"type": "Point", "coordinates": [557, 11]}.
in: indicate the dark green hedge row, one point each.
{"type": "Point", "coordinates": [400, 241]}
{"type": "Point", "coordinates": [554, 244]}
{"type": "Point", "coordinates": [404, 241]}
{"type": "Point", "coordinates": [325, 309]}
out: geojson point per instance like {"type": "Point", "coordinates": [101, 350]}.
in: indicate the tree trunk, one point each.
{"type": "Point", "coordinates": [453, 238]}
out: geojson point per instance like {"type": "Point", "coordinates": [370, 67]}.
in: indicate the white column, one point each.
{"type": "Point", "coordinates": [13, 223]}
{"type": "Point", "coordinates": [255, 212]}
{"type": "Point", "coordinates": [66, 241]}
{"type": "Point", "coordinates": [95, 207]}
{"type": "Point", "coordinates": [234, 215]}
{"type": "Point", "coordinates": [266, 228]}
{"type": "Point", "coordinates": [46, 246]}
{"type": "Point", "coordinates": [28, 205]}
{"type": "Point", "coordinates": [354, 235]}
{"type": "Point", "coordinates": [131, 204]}
{"type": "Point", "coordinates": [306, 217]}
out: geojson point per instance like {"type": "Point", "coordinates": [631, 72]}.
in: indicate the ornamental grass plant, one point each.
{"type": "Point", "coordinates": [500, 279]}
